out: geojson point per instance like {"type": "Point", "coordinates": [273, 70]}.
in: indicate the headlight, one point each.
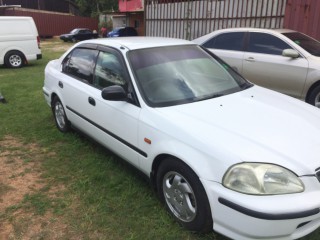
{"type": "Point", "coordinates": [262, 179]}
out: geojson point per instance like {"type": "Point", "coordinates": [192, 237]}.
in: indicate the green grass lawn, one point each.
{"type": "Point", "coordinates": [86, 192]}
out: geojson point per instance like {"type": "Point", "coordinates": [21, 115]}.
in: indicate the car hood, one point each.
{"type": "Point", "coordinates": [315, 60]}
{"type": "Point", "coordinates": [255, 125]}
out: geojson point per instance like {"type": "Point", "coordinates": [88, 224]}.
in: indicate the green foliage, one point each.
{"type": "Point", "coordinates": [108, 24]}
{"type": "Point", "coordinates": [92, 8]}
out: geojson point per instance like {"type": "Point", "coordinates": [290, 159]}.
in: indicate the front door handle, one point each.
{"type": "Point", "coordinates": [60, 84]}
{"type": "Point", "coordinates": [91, 101]}
{"type": "Point", "coordinates": [250, 59]}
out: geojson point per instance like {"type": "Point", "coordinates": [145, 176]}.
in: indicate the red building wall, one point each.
{"type": "Point", "coordinates": [303, 16]}
{"type": "Point", "coordinates": [54, 24]}
{"type": "Point", "coordinates": [130, 5]}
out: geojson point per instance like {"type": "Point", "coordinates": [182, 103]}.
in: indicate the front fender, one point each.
{"type": "Point", "coordinates": [160, 145]}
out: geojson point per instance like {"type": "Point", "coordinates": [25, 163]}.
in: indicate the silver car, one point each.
{"type": "Point", "coordinates": [283, 60]}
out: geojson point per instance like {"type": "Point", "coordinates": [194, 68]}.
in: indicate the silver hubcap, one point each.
{"type": "Point", "coordinates": [317, 100]}
{"type": "Point", "coordinates": [179, 196]}
{"type": "Point", "coordinates": [15, 60]}
{"type": "Point", "coordinates": [59, 114]}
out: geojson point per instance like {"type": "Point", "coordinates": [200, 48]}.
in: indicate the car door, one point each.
{"type": "Point", "coordinates": [117, 119]}
{"type": "Point", "coordinates": [82, 35]}
{"type": "Point", "coordinates": [228, 46]}
{"type": "Point", "coordinates": [265, 66]}
{"type": "Point", "coordinates": [87, 34]}
{"type": "Point", "coordinates": [105, 121]}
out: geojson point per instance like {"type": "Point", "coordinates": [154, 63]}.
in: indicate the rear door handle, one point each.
{"type": "Point", "coordinates": [91, 101]}
{"type": "Point", "coordinates": [60, 84]}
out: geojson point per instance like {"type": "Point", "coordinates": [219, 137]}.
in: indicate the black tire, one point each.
{"type": "Point", "coordinates": [14, 59]}
{"type": "Point", "coordinates": [73, 40]}
{"type": "Point", "coordinates": [60, 116]}
{"type": "Point", "coordinates": [314, 96]}
{"type": "Point", "coordinates": [184, 196]}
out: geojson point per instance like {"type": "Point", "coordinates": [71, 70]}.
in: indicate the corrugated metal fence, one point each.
{"type": "Point", "coordinates": [190, 19]}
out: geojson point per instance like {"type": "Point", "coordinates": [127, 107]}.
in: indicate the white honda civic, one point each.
{"type": "Point", "coordinates": [222, 153]}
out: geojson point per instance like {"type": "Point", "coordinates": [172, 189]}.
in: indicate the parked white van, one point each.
{"type": "Point", "coordinates": [19, 41]}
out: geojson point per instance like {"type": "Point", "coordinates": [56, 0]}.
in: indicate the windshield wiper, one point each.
{"type": "Point", "coordinates": [209, 97]}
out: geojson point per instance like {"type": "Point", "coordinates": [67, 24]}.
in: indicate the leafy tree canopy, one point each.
{"type": "Point", "coordinates": [93, 8]}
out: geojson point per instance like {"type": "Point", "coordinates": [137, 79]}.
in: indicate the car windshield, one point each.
{"type": "Point", "coordinates": [116, 29]}
{"type": "Point", "coordinates": [307, 43]}
{"type": "Point", "coordinates": [74, 31]}
{"type": "Point", "coordinates": [182, 74]}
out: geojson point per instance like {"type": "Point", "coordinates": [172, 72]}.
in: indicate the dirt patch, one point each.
{"type": "Point", "coordinates": [20, 179]}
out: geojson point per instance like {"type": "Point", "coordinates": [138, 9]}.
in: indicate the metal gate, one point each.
{"type": "Point", "coordinates": [190, 19]}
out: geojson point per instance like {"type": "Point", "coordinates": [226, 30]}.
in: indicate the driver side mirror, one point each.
{"type": "Point", "coordinates": [290, 53]}
{"type": "Point", "coordinates": [114, 93]}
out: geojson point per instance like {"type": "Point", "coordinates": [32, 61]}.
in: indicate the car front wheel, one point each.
{"type": "Point", "coordinates": [60, 116]}
{"type": "Point", "coordinates": [14, 59]}
{"type": "Point", "coordinates": [184, 196]}
{"type": "Point", "coordinates": [314, 97]}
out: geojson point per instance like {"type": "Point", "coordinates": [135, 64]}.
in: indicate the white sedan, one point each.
{"type": "Point", "coordinates": [283, 60]}
{"type": "Point", "coordinates": [222, 153]}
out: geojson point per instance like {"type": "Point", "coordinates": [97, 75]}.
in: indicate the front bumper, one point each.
{"type": "Point", "coordinates": [241, 216]}
{"type": "Point", "coordinates": [65, 38]}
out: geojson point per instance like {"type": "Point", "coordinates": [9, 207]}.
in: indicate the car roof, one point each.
{"type": "Point", "coordinates": [133, 43]}
{"type": "Point", "coordinates": [81, 29]}
{"type": "Point", "coordinates": [254, 30]}
{"type": "Point", "coordinates": [205, 37]}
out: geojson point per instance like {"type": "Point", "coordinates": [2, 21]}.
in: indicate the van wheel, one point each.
{"type": "Point", "coordinates": [14, 59]}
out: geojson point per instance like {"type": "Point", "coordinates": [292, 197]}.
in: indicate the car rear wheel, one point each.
{"type": "Point", "coordinates": [14, 59]}
{"type": "Point", "coordinates": [184, 196]}
{"type": "Point", "coordinates": [314, 96]}
{"type": "Point", "coordinates": [60, 116]}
